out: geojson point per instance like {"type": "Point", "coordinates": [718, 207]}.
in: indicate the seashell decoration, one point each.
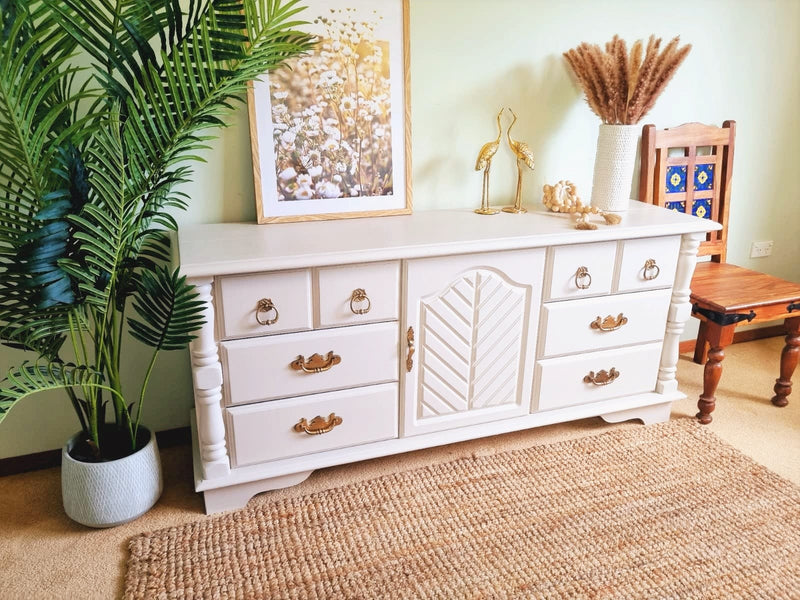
{"type": "Point", "coordinates": [563, 198]}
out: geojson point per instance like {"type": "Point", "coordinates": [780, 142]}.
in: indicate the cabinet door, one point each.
{"type": "Point", "coordinates": [474, 320]}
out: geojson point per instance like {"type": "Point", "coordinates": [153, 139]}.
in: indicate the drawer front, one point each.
{"type": "Point", "coordinates": [648, 263]}
{"type": "Point", "coordinates": [595, 323]}
{"type": "Point", "coordinates": [598, 261]}
{"type": "Point", "coordinates": [340, 302]}
{"type": "Point", "coordinates": [239, 296]}
{"type": "Point", "coordinates": [261, 368]}
{"type": "Point", "coordinates": [561, 380]}
{"type": "Point", "coordinates": [266, 431]}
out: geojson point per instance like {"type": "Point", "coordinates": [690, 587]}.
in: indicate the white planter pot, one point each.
{"type": "Point", "coordinates": [110, 493]}
{"type": "Point", "coordinates": [613, 166]}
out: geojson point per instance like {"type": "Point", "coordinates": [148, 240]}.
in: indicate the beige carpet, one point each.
{"type": "Point", "coordinates": [664, 511]}
{"type": "Point", "coordinates": [44, 555]}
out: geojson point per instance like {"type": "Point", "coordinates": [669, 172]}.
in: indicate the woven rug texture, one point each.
{"type": "Point", "coordinates": [663, 511]}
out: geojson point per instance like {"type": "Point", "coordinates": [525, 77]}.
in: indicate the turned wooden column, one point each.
{"type": "Point", "coordinates": [207, 376]}
{"type": "Point", "coordinates": [679, 311]}
{"type": "Point", "coordinates": [718, 337]}
{"type": "Point", "coordinates": [789, 359]}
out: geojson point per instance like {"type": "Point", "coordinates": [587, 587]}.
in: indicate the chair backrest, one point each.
{"type": "Point", "coordinates": [688, 169]}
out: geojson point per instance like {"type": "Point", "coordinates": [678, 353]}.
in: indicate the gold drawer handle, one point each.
{"type": "Point", "coordinates": [581, 274]}
{"type": "Point", "coordinates": [610, 323]}
{"type": "Point", "coordinates": [409, 356]}
{"type": "Point", "coordinates": [601, 377]}
{"type": "Point", "coordinates": [265, 305]}
{"type": "Point", "coordinates": [359, 296]}
{"type": "Point", "coordinates": [651, 269]}
{"type": "Point", "coordinates": [315, 363]}
{"type": "Point", "coordinates": [318, 425]}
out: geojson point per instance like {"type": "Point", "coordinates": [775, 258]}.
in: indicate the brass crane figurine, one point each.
{"type": "Point", "coordinates": [488, 150]}
{"type": "Point", "coordinates": [524, 156]}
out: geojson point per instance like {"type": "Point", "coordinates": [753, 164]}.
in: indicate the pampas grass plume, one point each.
{"type": "Point", "coordinates": [621, 87]}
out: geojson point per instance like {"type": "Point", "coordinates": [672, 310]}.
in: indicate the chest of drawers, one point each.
{"type": "Point", "coordinates": [331, 342]}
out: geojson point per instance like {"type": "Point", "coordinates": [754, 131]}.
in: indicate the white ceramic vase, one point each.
{"type": "Point", "coordinates": [613, 166]}
{"type": "Point", "coordinates": [110, 493]}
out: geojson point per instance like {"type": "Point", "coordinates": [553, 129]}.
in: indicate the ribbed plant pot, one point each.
{"type": "Point", "coordinates": [106, 494]}
{"type": "Point", "coordinates": [613, 166]}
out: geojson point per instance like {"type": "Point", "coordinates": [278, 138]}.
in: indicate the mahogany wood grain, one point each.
{"type": "Point", "coordinates": [728, 288]}
{"type": "Point", "coordinates": [789, 359]}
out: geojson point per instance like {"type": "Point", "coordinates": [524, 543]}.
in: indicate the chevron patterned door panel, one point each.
{"type": "Point", "coordinates": [474, 329]}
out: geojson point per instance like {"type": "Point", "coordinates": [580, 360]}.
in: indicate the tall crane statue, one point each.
{"type": "Point", "coordinates": [488, 150]}
{"type": "Point", "coordinates": [524, 157]}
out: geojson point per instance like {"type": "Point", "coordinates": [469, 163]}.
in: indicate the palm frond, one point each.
{"type": "Point", "coordinates": [169, 310]}
{"type": "Point", "coordinates": [31, 378]}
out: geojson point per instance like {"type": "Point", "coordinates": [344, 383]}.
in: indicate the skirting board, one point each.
{"type": "Point", "coordinates": [52, 458]}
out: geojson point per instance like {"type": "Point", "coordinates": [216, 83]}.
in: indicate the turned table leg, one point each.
{"type": "Point", "coordinates": [789, 359]}
{"type": "Point", "coordinates": [718, 337]}
{"type": "Point", "coordinates": [700, 347]}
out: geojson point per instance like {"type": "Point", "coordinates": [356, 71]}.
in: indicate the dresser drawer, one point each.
{"type": "Point", "coordinates": [595, 323]}
{"type": "Point", "coordinates": [238, 298]}
{"type": "Point", "coordinates": [262, 368]}
{"type": "Point", "coordinates": [266, 431]}
{"type": "Point", "coordinates": [561, 380]}
{"type": "Point", "coordinates": [597, 260]}
{"type": "Point", "coordinates": [352, 294]}
{"type": "Point", "coordinates": [648, 263]}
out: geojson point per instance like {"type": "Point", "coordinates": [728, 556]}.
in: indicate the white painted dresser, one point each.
{"type": "Point", "coordinates": [335, 341]}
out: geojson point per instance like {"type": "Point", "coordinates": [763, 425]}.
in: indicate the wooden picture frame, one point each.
{"type": "Point", "coordinates": [330, 134]}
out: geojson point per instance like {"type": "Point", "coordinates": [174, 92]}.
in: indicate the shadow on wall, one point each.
{"type": "Point", "coordinates": [540, 94]}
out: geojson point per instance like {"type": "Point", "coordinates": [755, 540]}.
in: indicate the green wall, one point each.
{"type": "Point", "coordinates": [468, 59]}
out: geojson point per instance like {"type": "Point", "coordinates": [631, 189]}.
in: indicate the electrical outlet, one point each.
{"type": "Point", "coordinates": [761, 249]}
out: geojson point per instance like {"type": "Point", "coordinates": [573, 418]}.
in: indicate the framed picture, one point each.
{"type": "Point", "coordinates": [330, 134]}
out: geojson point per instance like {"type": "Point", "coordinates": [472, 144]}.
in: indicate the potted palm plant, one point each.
{"type": "Point", "coordinates": [91, 158]}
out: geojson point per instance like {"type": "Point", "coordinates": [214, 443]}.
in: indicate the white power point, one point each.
{"type": "Point", "coordinates": [760, 249]}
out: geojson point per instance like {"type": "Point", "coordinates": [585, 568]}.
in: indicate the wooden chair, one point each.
{"type": "Point", "coordinates": [689, 169]}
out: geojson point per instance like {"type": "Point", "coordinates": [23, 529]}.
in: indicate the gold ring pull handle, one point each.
{"type": "Point", "coordinates": [610, 323]}
{"type": "Point", "coordinates": [315, 363]}
{"type": "Point", "coordinates": [359, 297]}
{"type": "Point", "coordinates": [601, 377]}
{"type": "Point", "coordinates": [318, 425]}
{"type": "Point", "coordinates": [651, 269]}
{"type": "Point", "coordinates": [266, 306]}
{"type": "Point", "coordinates": [409, 356]}
{"type": "Point", "coordinates": [582, 278]}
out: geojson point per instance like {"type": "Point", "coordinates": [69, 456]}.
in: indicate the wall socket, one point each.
{"type": "Point", "coordinates": [760, 249]}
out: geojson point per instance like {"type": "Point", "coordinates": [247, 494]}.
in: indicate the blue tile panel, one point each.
{"type": "Point", "coordinates": [702, 208]}
{"type": "Point", "coordinates": [676, 179]}
{"type": "Point", "coordinates": [703, 177]}
{"type": "Point", "coordinates": [677, 206]}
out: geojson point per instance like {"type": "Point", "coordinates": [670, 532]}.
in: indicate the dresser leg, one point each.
{"type": "Point", "coordinates": [789, 359]}
{"type": "Point", "coordinates": [718, 337]}
{"type": "Point", "coordinates": [234, 497]}
{"type": "Point", "coordinates": [655, 413]}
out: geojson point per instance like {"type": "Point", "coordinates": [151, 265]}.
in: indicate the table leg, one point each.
{"type": "Point", "coordinates": [718, 337]}
{"type": "Point", "coordinates": [789, 359]}
{"type": "Point", "coordinates": [700, 349]}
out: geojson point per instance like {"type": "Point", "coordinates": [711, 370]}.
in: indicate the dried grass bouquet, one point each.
{"type": "Point", "coordinates": [620, 87]}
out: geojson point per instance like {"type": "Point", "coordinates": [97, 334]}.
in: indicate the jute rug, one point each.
{"type": "Point", "coordinates": [664, 511]}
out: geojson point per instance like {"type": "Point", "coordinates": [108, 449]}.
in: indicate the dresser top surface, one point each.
{"type": "Point", "coordinates": [228, 248]}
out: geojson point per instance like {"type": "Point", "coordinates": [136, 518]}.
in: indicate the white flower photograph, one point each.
{"type": "Point", "coordinates": [328, 130]}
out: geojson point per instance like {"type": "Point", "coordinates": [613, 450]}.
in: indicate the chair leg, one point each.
{"type": "Point", "coordinates": [789, 359]}
{"type": "Point", "coordinates": [718, 337]}
{"type": "Point", "coordinates": [701, 345]}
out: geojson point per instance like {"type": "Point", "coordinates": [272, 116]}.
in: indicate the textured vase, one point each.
{"type": "Point", "coordinates": [613, 166]}
{"type": "Point", "coordinates": [110, 493]}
